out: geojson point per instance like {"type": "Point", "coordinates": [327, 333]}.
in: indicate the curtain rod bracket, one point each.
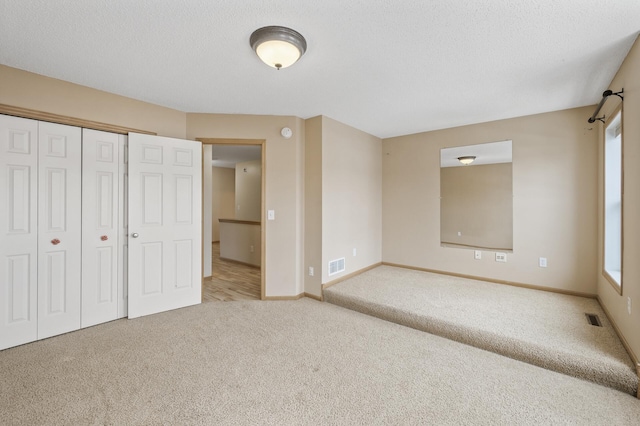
{"type": "Point", "coordinates": [605, 95]}
{"type": "Point", "coordinates": [619, 94]}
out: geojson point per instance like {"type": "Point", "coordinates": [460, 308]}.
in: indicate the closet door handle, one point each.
{"type": "Point", "coordinates": [135, 235]}
{"type": "Point", "coordinates": [55, 241]}
{"type": "Point", "coordinates": [104, 238]}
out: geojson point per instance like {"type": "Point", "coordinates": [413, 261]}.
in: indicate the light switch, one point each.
{"type": "Point", "coordinates": [271, 215]}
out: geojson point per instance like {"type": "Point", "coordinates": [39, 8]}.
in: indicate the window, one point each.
{"type": "Point", "coordinates": [613, 200]}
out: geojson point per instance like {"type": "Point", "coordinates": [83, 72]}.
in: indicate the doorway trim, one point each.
{"type": "Point", "coordinates": [263, 213]}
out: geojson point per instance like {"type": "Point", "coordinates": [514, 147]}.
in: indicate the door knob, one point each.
{"type": "Point", "coordinates": [104, 238]}
{"type": "Point", "coordinates": [135, 235]}
{"type": "Point", "coordinates": [55, 241]}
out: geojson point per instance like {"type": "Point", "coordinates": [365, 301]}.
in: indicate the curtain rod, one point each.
{"type": "Point", "coordinates": [605, 95]}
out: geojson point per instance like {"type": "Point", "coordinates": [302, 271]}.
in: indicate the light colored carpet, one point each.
{"type": "Point", "coordinates": [542, 328]}
{"type": "Point", "coordinates": [275, 363]}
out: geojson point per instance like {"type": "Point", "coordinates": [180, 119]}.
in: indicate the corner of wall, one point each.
{"type": "Point", "coordinates": [351, 198]}
{"type": "Point", "coordinates": [313, 206]}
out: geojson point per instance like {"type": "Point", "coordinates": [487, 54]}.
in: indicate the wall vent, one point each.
{"type": "Point", "coordinates": [336, 266]}
{"type": "Point", "coordinates": [593, 320]}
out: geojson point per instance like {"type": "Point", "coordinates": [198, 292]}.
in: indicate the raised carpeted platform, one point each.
{"type": "Point", "coordinates": [546, 329]}
{"type": "Point", "coordinates": [285, 363]}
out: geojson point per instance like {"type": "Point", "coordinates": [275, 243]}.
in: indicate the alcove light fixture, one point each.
{"type": "Point", "coordinates": [467, 159]}
{"type": "Point", "coordinates": [278, 47]}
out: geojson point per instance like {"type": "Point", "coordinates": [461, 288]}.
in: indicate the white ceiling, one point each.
{"type": "Point", "coordinates": [229, 155]}
{"type": "Point", "coordinates": [387, 67]}
{"type": "Point", "coordinates": [485, 153]}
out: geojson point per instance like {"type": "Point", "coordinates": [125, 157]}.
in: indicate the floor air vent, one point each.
{"type": "Point", "coordinates": [336, 266]}
{"type": "Point", "coordinates": [593, 320]}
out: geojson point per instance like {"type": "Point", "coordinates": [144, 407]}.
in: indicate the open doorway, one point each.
{"type": "Point", "coordinates": [233, 216]}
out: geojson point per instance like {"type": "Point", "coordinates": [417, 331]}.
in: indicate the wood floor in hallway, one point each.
{"type": "Point", "coordinates": [230, 280]}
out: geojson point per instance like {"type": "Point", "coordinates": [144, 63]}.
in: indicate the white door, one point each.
{"type": "Point", "coordinates": [59, 228]}
{"type": "Point", "coordinates": [165, 228]}
{"type": "Point", "coordinates": [100, 227]}
{"type": "Point", "coordinates": [18, 231]}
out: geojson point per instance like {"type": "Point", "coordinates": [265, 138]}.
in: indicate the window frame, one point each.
{"type": "Point", "coordinates": [614, 283]}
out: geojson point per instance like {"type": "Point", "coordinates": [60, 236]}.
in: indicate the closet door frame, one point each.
{"type": "Point", "coordinates": [56, 307]}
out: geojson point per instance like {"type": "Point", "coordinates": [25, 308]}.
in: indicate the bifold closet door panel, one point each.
{"type": "Point", "coordinates": [123, 246]}
{"type": "Point", "coordinates": [100, 227]}
{"type": "Point", "coordinates": [18, 231]}
{"type": "Point", "coordinates": [59, 228]}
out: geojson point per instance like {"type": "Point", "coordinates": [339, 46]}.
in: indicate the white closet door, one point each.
{"type": "Point", "coordinates": [59, 228]}
{"type": "Point", "coordinates": [123, 219]}
{"type": "Point", "coordinates": [100, 227]}
{"type": "Point", "coordinates": [165, 228]}
{"type": "Point", "coordinates": [18, 231]}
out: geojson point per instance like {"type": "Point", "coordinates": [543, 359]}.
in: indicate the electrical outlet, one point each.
{"type": "Point", "coordinates": [501, 257]}
{"type": "Point", "coordinates": [354, 251]}
{"type": "Point", "coordinates": [311, 271]}
{"type": "Point", "coordinates": [459, 234]}
{"type": "Point", "coordinates": [271, 215]}
{"type": "Point", "coordinates": [542, 262]}
{"type": "Point", "coordinates": [477, 254]}
{"type": "Point", "coordinates": [629, 305]}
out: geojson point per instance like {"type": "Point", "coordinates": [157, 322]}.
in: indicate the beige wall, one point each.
{"type": "Point", "coordinates": [554, 200]}
{"type": "Point", "coordinates": [343, 200]}
{"type": "Point", "coordinates": [628, 77]}
{"type": "Point", "coordinates": [476, 208]}
{"type": "Point", "coordinates": [27, 90]}
{"type": "Point", "coordinates": [313, 206]}
{"type": "Point", "coordinates": [240, 242]}
{"type": "Point", "coordinates": [224, 197]}
{"type": "Point", "coordinates": [284, 169]}
{"type": "Point", "coordinates": [249, 190]}
{"type": "Point", "coordinates": [351, 197]}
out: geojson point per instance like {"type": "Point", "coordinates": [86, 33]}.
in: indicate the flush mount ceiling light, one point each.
{"type": "Point", "coordinates": [466, 160]}
{"type": "Point", "coordinates": [278, 47]}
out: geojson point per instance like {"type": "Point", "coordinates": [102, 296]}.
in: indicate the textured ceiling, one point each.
{"type": "Point", "coordinates": [388, 67]}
